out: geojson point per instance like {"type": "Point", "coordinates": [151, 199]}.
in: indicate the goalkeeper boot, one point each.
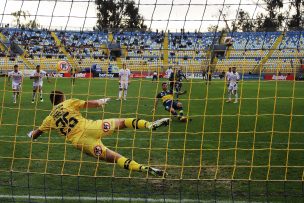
{"type": "Point", "coordinates": [158, 123]}
{"type": "Point", "coordinates": [154, 171]}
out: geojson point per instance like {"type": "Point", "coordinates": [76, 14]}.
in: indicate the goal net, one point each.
{"type": "Point", "coordinates": [239, 136]}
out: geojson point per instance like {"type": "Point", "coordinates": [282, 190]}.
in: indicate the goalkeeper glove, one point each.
{"type": "Point", "coordinates": [102, 102]}
{"type": "Point", "coordinates": [29, 134]}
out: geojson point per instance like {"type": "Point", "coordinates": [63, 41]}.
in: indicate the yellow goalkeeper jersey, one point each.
{"type": "Point", "coordinates": [66, 119]}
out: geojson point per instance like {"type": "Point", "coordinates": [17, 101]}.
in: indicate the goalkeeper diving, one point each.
{"type": "Point", "coordinates": [86, 134]}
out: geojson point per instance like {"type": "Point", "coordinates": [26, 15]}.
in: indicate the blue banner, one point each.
{"type": "Point", "coordinates": [252, 77]}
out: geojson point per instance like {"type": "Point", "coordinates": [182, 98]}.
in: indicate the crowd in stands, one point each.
{"type": "Point", "coordinates": [148, 47]}
{"type": "Point", "coordinates": [141, 44]}
{"type": "Point", "coordinates": [84, 44]}
{"type": "Point", "coordinates": [37, 43]}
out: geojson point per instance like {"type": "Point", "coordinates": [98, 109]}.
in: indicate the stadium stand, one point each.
{"type": "Point", "coordinates": [144, 51]}
{"type": "Point", "coordinates": [36, 43]}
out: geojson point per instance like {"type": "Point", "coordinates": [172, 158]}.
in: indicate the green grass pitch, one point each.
{"type": "Point", "coordinates": [255, 140]}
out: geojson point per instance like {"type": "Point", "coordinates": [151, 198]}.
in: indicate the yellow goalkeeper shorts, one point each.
{"type": "Point", "coordinates": [90, 141]}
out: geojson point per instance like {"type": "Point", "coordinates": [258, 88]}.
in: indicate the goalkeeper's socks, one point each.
{"type": "Point", "coordinates": [136, 123]}
{"type": "Point", "coordinates": [128, 164]}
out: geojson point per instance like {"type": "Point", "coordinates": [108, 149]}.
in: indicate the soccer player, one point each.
{"type": "Point", "coordinates": [209, 76]}
{"type": "Point", "coordinates": [154, 77]}
{"type": "Point", "coordinates": [233, 85]}
{"type": "Point", "coordinates": [170, 105]}
{"type": "Point", "coordinates": [86, 134]}
{"type": "Point", "coordinates": [168, 72]}
{"type": "Point", "coordinates": [73, 75]}
{"type": "Point", "coordinates": [124, 80]}
{"type": "Point", "coordinates": [227, 77]}
{"type": "Point", "coordinates": [38, 76]}
{"type": "Point", "coordinates": [204, 74]}
{"type": "Point", "coordinates": [176, 79]}
{"type": "Point", "coordinates": [179, 78]}
{"type": "Point", "coordinates": [17, 78]}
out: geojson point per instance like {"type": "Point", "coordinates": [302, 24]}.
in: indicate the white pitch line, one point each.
{"type": "Point", "coordinates": [98, 199]}
{"type": "Point", "coordinates": [120, 199]}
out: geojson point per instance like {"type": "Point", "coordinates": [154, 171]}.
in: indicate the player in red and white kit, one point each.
{"type": "Point", "coordinates": [17, 78]}
{"type": "Point", "coordinates": [124, 80]}
{"type": "Point", "coordinates": [38, 76]}
{"type": "Point", "coordinates": [233, 85]}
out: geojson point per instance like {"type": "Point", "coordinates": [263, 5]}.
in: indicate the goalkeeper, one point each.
{"type": "Point", "coordinates": [86, 135]}
{"type": "Point", "coordinates": [169, 103]}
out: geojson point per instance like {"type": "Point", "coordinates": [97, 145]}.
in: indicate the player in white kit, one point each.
{"type": "Point", "coordinates": [17, 78]}
{"type": "Point", "coordinates": [227, 77]}
{"type": "Point", "coordinates": [168, 72]}
{"type": "Point", "coordinates": [124, 80]}
{"type": "Point", "coordinates": [38, 76]}
{"type": "Point", "coordinates": [233, 85]}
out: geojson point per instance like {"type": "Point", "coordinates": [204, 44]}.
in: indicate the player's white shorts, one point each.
{"type": "Point", "coordinates": [233, 87]}
{"type": "Point", "coordinates": [38, 84]}
{"type": "Point", "coordinates": [123, 85]}
{"type": "Point", "coordinates": [16, 86]}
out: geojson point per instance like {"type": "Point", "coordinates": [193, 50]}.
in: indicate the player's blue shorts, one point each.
{"type": "Point", "coordinates": [170, 103]}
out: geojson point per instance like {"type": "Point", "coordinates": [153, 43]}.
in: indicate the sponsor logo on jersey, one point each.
{"type": "Point", "coordinates": [106, 126]}
{"type": "Point", "coordinates": [98, 150]}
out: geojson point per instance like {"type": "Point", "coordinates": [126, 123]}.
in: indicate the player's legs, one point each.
{"type": "Point", "coordinates": [235, 95]}
{"type": "Point", "coordinates": [179, 106]}
{"type": "Point", "coordinates": [120, 91]}
{"type": "Point", "coordinates": [99, 151]}
{"type": "Point", "coordinates": [123, 162]}
{"type": "Point", "coordinates": [18, 90]}
{"type": "Point", "coordinates": [229, 94]}
{"type": "Point", "coordinates": [35, 89]}
{"type": "Point", "coordinates": [125, 87]}
{"type": "Point", "coordinates": [73, 79]}
{"type": "Point", "coordinates": [40, 93]}
{"type": "Point", "coordinates": [171, 106]}
{"type": "Point", "coordinates": [15, 88]}
{"type": "Point", "coordinates": [90, 143]}
{"type": "Point", "coordinates": [14, 96]}
{"type": "Point", "coordinates": [135, 123]}
{"type": "Point", "coordinates": [172, 85]}
{"type": "Point", "coordinates": [178, 86]}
